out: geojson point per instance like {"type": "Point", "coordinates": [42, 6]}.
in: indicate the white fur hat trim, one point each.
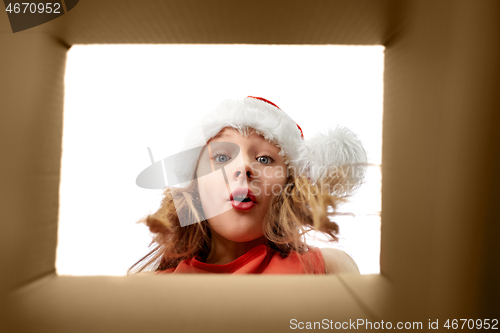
{"type": "Point", "coordinates": [313, 158]}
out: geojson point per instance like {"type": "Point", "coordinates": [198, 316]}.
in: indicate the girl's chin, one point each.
{"type": "Point", "coordinates": [237, 227]}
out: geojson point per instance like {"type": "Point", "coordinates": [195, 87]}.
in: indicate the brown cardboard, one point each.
{"type": "Point", "coordinates": [439, 101]}
{"type": "Point", "coordinates": [374, 292]}
{"type": "Point", "coordinates": [32, 103]}
{"type": "Point", "coordinates": [221, 21]}
{"type": "Point", "coordinates": [441, 147]}
{"type": "Point", "coordinates": [190, 303]}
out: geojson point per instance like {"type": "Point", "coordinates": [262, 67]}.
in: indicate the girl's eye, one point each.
{"type": "Point", "coordinates": [221, 158]}
{"type": "Point", "coordinates": [265, 159]}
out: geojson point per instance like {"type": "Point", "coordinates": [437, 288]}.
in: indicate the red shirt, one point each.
{"type": "Point", "coordinates": [259, 260]}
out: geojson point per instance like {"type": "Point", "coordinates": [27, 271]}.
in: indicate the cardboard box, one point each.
{"type": "Point", "coordinates": [439, 258]}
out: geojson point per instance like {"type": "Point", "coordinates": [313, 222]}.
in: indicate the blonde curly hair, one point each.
{"type": "Point", "coordinates": [300, 207]}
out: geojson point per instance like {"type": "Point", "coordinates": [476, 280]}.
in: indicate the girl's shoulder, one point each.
{"type": "Point", "coordinates": [337, 261]}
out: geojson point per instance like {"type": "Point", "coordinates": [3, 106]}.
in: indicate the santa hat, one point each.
{"type": "Point", "coordinates": [338, 152]}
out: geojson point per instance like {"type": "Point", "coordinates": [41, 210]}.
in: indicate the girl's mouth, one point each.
{"type": "Point", "coordinates": [245, 204]}
{"type": "Point", "coordinates": [242, 199]}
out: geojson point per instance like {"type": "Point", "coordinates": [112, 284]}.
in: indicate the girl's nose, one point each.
{"type": "Point", "coordinates": [239, 173]}
{"type": "Point", "coordinates": [243, 168]}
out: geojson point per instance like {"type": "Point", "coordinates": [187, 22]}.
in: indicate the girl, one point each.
{"type": "Point", "coordinates": [255, 188]}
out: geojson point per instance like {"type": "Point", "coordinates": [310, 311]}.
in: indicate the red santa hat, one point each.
{"type": "Point", "coordinates": [337, 152]}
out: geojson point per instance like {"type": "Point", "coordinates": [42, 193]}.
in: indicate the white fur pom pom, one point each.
{"type": "Point", "coordinates": [339, 153]}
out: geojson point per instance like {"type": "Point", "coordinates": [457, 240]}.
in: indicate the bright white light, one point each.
{"type": "Point", "coordinates": [121, 99]}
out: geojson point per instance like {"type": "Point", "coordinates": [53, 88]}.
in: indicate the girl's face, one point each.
{"type": "Point", "coordinates": [246, 173]}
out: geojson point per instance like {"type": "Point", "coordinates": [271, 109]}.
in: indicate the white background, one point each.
{"type": "Point", "coordinates": [121, 99]}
